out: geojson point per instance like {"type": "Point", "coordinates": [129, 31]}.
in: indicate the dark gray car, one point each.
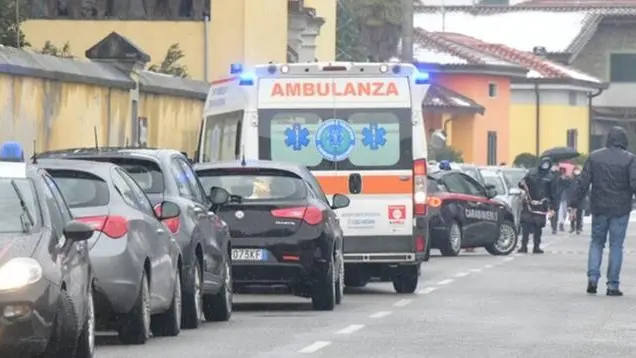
{"type": "Point", "coordinates": [135, 257]}
{"type": "Point", "coordinates": [204, 238]}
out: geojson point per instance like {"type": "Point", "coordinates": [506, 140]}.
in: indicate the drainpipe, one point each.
{"type": "Point", "coordinates": [206, 28]}
{"type": "Point", "coordinates": [537, 119]}
{"type": "Point", "coordinates": [590, 117]}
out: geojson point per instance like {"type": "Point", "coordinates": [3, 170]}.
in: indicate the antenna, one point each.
{"type": "Point", "coordinates": [95, 136]}
{"type": "Point", "coordinates": [243, 163]}
{"type": "Point", "coordinates": [34, 158]}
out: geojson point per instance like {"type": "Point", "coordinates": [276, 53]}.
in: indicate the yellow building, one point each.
{"type": "Point", "coordinates": [246, 31]}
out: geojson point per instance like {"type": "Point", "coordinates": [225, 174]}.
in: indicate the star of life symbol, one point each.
{"type": "Point", "coordinates": [373, 136]}
{"type": "Point", "coordinates": [296, 137]}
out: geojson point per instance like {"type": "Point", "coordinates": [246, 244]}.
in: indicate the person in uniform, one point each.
{"type": "Point", "coordinates": [538, 203]}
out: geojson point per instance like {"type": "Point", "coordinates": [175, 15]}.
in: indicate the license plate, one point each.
{"type": "Point", "coordinates": [249, 255]}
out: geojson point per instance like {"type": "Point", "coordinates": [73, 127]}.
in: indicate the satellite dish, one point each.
{"type": "Point", "coordinates": [438, 139]}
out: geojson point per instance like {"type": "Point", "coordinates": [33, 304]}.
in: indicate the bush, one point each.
{"type": "Point", "coordinates": [447, 153]}
{"type": "Point", "coordinates": [527, 160]}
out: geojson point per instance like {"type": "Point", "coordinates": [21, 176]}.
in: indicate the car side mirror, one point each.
{"type": "Point", "coordinates": [218, 196]}
{"type": "Point", "coordinates": [77, 231]}
{"type": "Point", "coordinates": [491, 192]}
{"type": "Point", "coordinates": [168, 210]}
{"type": "Point", "coordinates": [340, 201]}
{"type": "Point", "coordinates": [515, 191]}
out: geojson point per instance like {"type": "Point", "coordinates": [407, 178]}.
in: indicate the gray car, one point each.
{"type": "Point", "coordinates": [136, 259]}
{"type": "Point", "coordinates": [507, 193]}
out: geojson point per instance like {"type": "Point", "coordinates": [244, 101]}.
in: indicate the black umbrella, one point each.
{"type": "Point", "coordinates": [558, 154]}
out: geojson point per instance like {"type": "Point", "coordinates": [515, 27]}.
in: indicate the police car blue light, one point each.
{"type": "Point", "coordinates": [246, 79]}
{"type": "Point", "coordinates": [421, 78]}
{"type": "Point", "coordinates": [11, 152]}
{"type": "Point", "coordinates": [236, 68]}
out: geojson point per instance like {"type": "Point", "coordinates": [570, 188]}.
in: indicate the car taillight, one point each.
{"type": "Point", "coordinates": [434, 202]}
{"type": "Point", "coordinates": [173, 224]}
{"type": "Point", "coordinates": [420, 243]}
{"type": "Point", "coordinates": [112, 225]}
{"type": "Point", "coordinates": [419, 187]}
{"type": "Point", "coordinates": [311, 215]}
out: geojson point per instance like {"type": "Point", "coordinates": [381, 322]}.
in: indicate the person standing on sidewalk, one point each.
{"type": "Point", "coordinates": [611, 171]}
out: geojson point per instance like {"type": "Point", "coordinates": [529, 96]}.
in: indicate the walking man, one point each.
{"type": "Point", "coordinates": [538, 201]}
{"type": "Point", "coordinates": [611, 171]}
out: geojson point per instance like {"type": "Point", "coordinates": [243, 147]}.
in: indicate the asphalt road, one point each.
{"type": "Point", "coordinates": [474, 305]}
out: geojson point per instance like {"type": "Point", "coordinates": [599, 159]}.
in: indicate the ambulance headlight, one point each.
{"type": "Point", "coordinates": [419, 197]}
{"type": "Point", "coordinates": [19, 272]}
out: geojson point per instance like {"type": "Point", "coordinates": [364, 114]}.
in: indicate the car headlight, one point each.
{"type": "Point", "coordinates": [19, 272]}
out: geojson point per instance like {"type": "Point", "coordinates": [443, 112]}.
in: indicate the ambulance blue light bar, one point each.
{"type": "Point", "coordinates": [421, 78]}
{"type": "Point", "coordinates": [246, 79]}
{"type": "Point", "coordinates": [236, 68]}
{"type": "Point", "coordinates": [11, 152]}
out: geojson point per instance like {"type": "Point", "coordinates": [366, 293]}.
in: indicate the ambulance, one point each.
{"type": "Point", "coordinates": [359, 128]}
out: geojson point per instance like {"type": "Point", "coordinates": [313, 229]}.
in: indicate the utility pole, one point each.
{"type": "Point", "coordinates": [407, 30]}
{"type": "Point", "coordinates": [17, 24]}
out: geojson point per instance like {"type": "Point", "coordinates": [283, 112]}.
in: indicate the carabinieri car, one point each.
{"type": "Point", "coordinates": [463, 214]}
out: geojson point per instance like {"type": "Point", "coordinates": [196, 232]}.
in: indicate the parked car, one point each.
{"type": "Point", "coordinates": [513, 176]}
{"type": "Point", "coordinates": [511, 196]}
{"type": "Point", "coordinates": [136, 259]}
{"type": "Point", "coordinates": [203, 237]}
{"type": "Point", "coordinates": [463, 214]}
{"type": "Point", "coordinates": [284, 231]}
{"type": "Point", "coordinates": [46, 279]}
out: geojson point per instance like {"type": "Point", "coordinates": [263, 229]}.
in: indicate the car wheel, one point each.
{"type": "Point", "coordinates": [405, 278]}
{"type": "Point", "coordinates": [506, 242]}
{"type": "Point", "coordinates": [355, 277]}
{"type": "Point", "coordinates": [453, 245]}
{"type": "Point", "coordinates": [193, 299]}
{"type": "Point", "coordinates": [63, 340]}
{"type": "Point", "coordinates": [134, 327]}
{"type": "Point", "coordinates": [218, 308]}
{"type": "Point", "coordinates": [340, 282]}
{"type": "Point", "coordinates": [323, 295]}
{"type": "Point", "coordinates": [86, 342]}
{"type": "Point", "coordinates": [168, 324]}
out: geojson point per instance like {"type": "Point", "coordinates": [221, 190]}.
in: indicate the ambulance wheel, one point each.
{"type": "Point", "coordinates": [453, 245]}
{"type": "Point", "coordinates": [506, 242]}
{"type": "Point", "coordinates": [405, 278]}
{"type": "Point", "coordinates": [355, 277]}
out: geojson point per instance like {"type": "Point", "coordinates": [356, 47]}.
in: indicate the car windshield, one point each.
{"type": "Point", "coordinates": [81, 189]}
{"type": "Point", "coordinates": [255, 185]}
{"type": "Point", "coordinates": [514, 176]}
{"type": "Point", "coordinates": [19, 206]}
{"type": "Point", "coordinates": [492, 178]}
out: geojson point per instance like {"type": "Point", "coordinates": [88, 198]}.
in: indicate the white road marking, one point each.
{"type": "Point", "coordinates": [426, 290]}
{"type": "Point", "coordinates": [445, 282]}
{"type": "Point", "coordinates": [350, 329]}
{"type": "Point", "coordinates": [380, 314]}
{"type": "Point", "coordinates": [475, 270]}
{"type": "Point", "coordinates": [488, 266]}
{"type": "Point", "coordinates": [509, 259]}
{"type": "Point", "coordinates": [462, 274]}
{"type": "Point", "coordinates": [314, 347]}
{"type": "Point", "coordinates": [402, 303]}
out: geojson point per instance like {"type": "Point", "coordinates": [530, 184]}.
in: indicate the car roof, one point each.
{"type": "Point", "coordinates": [99, 168]}
{"type": "Point", "coordinates": [261, 164]}
{"type": "Point", "coordinates": [442, 173]}
{"type": "Point", "coordinates": [132, 152]}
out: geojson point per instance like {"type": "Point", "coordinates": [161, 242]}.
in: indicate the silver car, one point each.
{"type": "Point", "coordinates": [507, 193]}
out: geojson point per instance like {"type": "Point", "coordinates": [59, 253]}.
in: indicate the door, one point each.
{"type": "Point", "coordinates": [141, 230]}
{"type": "Point", "coordinates": [485, 213]}
{"type": "Point", "coordinates": [208, 223]}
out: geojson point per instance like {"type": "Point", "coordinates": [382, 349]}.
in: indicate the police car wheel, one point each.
{"type": "Point", "coordinates": [405, 278]}
{"type": "Point", "coordinates": [453, 245]}
{"type": "Point", "coordinates": [63, 339]}
{"type": "Point", "coordinates": [506, 242]}
{"type": "Point", "coordinates": [323, 296]}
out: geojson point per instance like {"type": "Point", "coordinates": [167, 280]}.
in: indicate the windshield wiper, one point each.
{"type": "Point", "coordinates": [25, 209]}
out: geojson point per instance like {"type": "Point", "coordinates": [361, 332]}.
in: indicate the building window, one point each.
{"type": "Point", "coordinates": [572, 137]}
{"type": "Point", "coordinates": [622, 67]}
{"type": "Point", "coordinates": [492, 148]}
{"type": "Point", "coordinates": [492, 90]}
{"type": "Point", "coordinates": [573, 97]}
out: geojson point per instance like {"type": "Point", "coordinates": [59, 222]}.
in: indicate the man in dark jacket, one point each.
{"type": "Point", "coordinates": [538, 201]}
{"type": "Point", "coordinates": [576, 215]}
{"type": "Point", "coordinates": [611, 171]}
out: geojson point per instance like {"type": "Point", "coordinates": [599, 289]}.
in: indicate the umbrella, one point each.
{"type": "Point", "coordinates": [558, 154]}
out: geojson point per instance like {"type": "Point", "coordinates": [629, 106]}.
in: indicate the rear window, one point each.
{"type": "Point", "coordinates": [255, 185]}
{"type": "Point", "coordinates": [81, 189]}
{"type": "Point", "coordinates": [14, 217]}
{"type": "Point", "coordinates": [145, 172]}
{"type": "Point", "coordinates": [346, 138]}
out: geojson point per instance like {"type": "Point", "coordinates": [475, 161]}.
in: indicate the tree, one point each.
{"type": "Point", "coordinates": [369, 29]}
{"type": "Point", "coordinates": [52, 50]}
{"type": "Point", "coordinates": [446, 153]}
{"type": "Point", "coordinates": [169, 64]}
{"type": "Point", "coordinates": [526, 160]}
{"type": "Point", "coordinates": [10, 30]}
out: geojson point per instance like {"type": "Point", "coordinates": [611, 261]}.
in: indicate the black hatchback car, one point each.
{"type": "Point", "coordinates": [462, 214]}
{"type": "Point", "coordinates": [284, 232]}
{"type": "Point", "coordinates": [166, 175]}
{"type": "Point", "coordinates": [46, 293]}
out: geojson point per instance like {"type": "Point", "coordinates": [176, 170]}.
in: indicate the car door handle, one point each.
{"type": "Point", "coordinates": [161, 231]}
{"type": "Point", "coordinates": [197, 210]}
